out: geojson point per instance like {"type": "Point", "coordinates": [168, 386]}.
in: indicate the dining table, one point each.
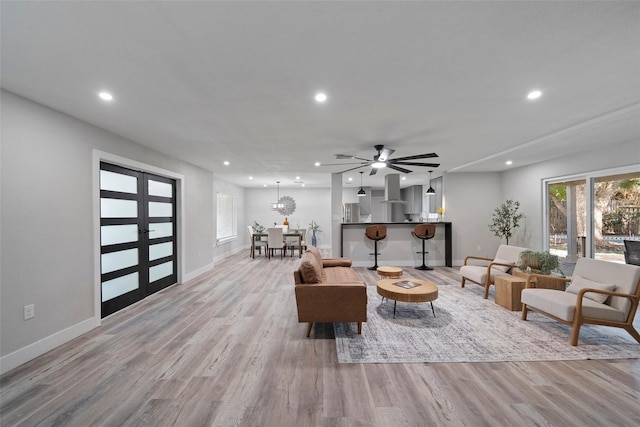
{"type": "Point", "coordinates": [256, 236]}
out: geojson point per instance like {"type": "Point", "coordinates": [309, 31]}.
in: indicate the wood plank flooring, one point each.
{"type": "Point", "coordinates": [226, 349]}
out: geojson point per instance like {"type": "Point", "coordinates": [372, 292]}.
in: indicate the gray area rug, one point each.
{"type": "Point", "coordinates": [468, 328]}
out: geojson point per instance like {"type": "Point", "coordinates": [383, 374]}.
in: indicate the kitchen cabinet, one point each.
{"type": "Point", "coordinates": [413, 196]}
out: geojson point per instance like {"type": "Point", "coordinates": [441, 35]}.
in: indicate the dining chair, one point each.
{"type": "Point", "coordinates": [259, 244]}
{"type": "Point", "coordinates": [292, 242]}
{"type": "Point", "coordinates": [275, 241]}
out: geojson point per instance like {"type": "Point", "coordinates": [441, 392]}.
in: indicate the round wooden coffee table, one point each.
{"type": "Point", "coordinates": [386, 271]}
{"type": "Point", "coordinates": [423, 291]}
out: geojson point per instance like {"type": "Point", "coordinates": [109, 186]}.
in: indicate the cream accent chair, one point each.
{"type": "Point", "coordinates": [600, 293]}
{"type": "Point", "coordinates": [483, 271]}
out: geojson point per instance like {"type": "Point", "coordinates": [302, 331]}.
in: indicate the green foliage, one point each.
{"type": "Point", "coordinates": [505, 219]}
{"type": "Point", "coordinates": [538, 262]}
{"type": "Point", "coordinates": [257, 228]}
{"type": "Point", "coordinates": [315, 227]}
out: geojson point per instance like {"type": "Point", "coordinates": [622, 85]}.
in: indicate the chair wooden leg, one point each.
{"type": "Point", "coordinates": [309, 326]}
{"type": "Point", "coordinates": [462, 284]}
{"type": "Point", "coordinates": [524, 311]}
{"type": "Point", "coordinates": [633, 332]}
{"type": "Point", "coordinates": [486, 291]}
{"type": "Point", "coordinates": [360, 327]}
{"type": "Point", "coordinates": [575, 333]}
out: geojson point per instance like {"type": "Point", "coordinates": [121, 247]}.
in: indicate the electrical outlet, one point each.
{"type": "Point", "coordinates": [29, 311]}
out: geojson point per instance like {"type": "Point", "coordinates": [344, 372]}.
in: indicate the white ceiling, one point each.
{"type": "Point", "coordinates": [212, 81]}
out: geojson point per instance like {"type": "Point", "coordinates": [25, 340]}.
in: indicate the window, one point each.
{"type": "Point", "coordinates": [591, 215]}
{"type": "Point", "coordinates": [226, 218]}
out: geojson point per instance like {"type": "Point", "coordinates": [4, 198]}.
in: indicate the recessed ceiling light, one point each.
{"type": "Point", "coordinates": [303, 185]}
{"type": "Point", "coordinates": [509, 162]}
{"type": "Point", "coordinates": [226, 163]}
{"type": "Point", "coordinates": [264, 185]}
{"type": "Point", "coordinates": [317, 163]}
{"type": "Point", "coordinates": [250, 177]}
{"type": "Point", "coordinates": [105, 96]}
{"type": "Point", "coordinates": [297, 177]}
{"type": "Point", "coordinates": [534, 94]}
{"type": "Point", "coordinates": [350, 179]}
{"type": "Point", "coordinates": [404, 177]}
{"type": "Point", "coordinates": [321, 97]}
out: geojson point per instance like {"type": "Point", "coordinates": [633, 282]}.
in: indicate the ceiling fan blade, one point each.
{"type": "Point", "coordinates": [399, 169]}
{"type": "Point", "coordinates": [416, 157]}
{"type": "Point", "coordinates": [431, 165]}
{"type": "Point", "coordinates": [343, 164]}
{"type": "Point", "coordinates": [385, 154]}
{"type": "Point", "coordinates": [349, 157]}
{"type": "Point", "coordinates": [373, 171]}
{"type": "Point", "coordinates": [357, 167]}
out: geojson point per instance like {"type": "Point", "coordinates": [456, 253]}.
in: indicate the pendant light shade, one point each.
{"type": "Point", "coordinates": [361, 192]}
{"type": "Point", "coordinates": [430, 191]}
{"type": "Point", "coordinates": [277, 205]}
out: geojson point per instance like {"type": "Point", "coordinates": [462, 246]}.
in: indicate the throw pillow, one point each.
{"type": "Point", "coordinates": [309, 269]}
{"type": "Point", "coordinates": [316, 253]}
{"type": "Point", "coordinates": [502, 267]}
{"type": "Point", "coordinates": [578, 283]}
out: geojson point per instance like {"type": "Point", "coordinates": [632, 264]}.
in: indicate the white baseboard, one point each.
{"type": "Point", "coordinates": [196, 273]}
{"type": "Point", "coordinates": [25, 354]}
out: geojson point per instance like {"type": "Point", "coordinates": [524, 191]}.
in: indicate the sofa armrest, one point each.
{"type": "Point", "coordinates": [336, 262]}
{"type": "Point", "coordinates": [332, 302]}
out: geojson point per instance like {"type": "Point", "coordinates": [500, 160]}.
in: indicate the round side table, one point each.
{"type": "Point", "coordinates": [389, 272]}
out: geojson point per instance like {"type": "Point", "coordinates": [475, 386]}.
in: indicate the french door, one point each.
{"type": "Point", "coordinates": [138, 244]}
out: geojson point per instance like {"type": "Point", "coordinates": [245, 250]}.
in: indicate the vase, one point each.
{"type": "Point", "coordinates": [313, 239]}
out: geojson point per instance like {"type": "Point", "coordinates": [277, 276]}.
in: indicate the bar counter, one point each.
{"type": "Point", "coordinates": [399, 248]}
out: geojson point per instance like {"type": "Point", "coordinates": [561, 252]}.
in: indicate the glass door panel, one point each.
{"type": "Point", "coordinates": [138, 256]}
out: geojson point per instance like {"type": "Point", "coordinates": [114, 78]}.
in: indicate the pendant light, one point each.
{"type": "Point", "coordinates": [430, 191]}
{"type": "Point", "coordinates": [361, 192]}
{"type": "Point", "coordinates": [277, 205]}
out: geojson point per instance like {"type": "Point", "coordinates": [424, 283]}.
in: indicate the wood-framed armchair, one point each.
{"type": "Point", "coordinates": [600, 293]}
{"type": "Point", "coordinates": [483, 271]}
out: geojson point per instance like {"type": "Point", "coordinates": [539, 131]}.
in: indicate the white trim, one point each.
{"type": "Point", "coordinates": [25, 354]}
{"type": "Point", "coordinates": [192, 275]}
{"type": "Point", "coordinates": [97, 157]}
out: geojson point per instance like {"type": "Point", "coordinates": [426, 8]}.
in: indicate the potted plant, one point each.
{"type": "Point", "coordinates": [315, 228]}
{"type": "Point", "coordinates": [506, 218]}
{"type": "Point", "coordinates": [538, 262]}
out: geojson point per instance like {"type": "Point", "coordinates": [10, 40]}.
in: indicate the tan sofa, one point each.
{"type": "Point", "coordinates": [329, 290]}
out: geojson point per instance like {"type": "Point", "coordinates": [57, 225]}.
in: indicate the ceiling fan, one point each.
{"type": "Point", "coordinates": [382, 160]}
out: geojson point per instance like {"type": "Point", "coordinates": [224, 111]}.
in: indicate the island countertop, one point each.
{"type": "Point", "coordinates": [399, 248]}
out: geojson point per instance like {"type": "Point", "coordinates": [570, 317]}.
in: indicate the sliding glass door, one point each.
{"type": "Point", "coordinates": [591, 215]}
{"type": "Point", "coordinates": [138, 242]}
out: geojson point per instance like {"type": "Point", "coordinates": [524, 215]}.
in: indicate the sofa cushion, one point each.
{"type": "Point", "coordinates": [316, 253]}
{"type": "Point", "coordinates": [578, 283]}
{"type": "Point", "coordinates": [310, 270]}
{"type": "Point", "coordinates": [340, 275]}
{"type": "Point", "coordinates": [503, 268]}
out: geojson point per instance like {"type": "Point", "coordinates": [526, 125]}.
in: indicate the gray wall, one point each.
{"type": "Point", "coordinates": [47, 221]}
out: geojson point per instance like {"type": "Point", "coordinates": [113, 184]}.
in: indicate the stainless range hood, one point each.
{"type": "Point", "coordinates": [392, 189]}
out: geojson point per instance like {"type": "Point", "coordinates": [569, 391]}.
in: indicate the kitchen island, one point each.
{"type": "Point", "coordinates": [399, 248]}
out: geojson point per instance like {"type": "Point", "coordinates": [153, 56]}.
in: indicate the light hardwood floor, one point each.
{"type": "Point", "coordinates": [226, 349]}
